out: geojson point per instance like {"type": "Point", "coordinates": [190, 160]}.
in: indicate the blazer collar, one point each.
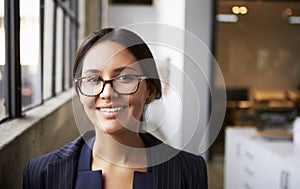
{"type": "Point", "coordinates": [62, 173]}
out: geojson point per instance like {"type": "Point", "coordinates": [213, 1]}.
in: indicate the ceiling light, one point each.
{"type": "Point", "coordinates": [288, 11]}
{"type": "Point", "coordinates": [227, 18]}
{"type": "Point", "coordinates": [294, 20]}
{"type": "Point", "coordinates": [235, 9]}
{"type": "Point", "coordinates": [243, 10]}
{"type": "Point", "coordinates": [239, 10]}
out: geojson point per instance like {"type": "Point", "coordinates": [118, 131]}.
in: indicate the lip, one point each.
{"type": "Point", "coordinates": [110, 111]}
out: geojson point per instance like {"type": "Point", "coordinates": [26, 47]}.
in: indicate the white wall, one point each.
{"type": "Point", "coordinates": [122, 15]}
{"type": "Point", "coordinates": [198, 21]}
{"type": "Point", "coordinates": [185, 112]}
{"type": "Point", "coordinates": [148, 22]}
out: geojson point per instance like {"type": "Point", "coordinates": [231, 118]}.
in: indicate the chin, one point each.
{"type": "Point", "coordinates": [111, 127]}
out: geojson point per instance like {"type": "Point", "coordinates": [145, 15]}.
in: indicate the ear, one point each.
{"type": "Point", "coordinates": [151, 92]}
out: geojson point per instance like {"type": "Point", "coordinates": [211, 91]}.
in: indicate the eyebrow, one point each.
{"type": "Point", "coordinates": [94, 71]}
{"type": "Point", "coordinates": [117, 70]}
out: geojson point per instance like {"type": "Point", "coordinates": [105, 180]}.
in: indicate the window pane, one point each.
{"type": "Point", "coordinates": [3, 88]}
{"type": "Point", "coordinates": [29, 53]}
{"type": "Point", "coordinates": [48, 49]}
{"type": "Point", "coordinates": [59, 50]}
{"type": "Point", "coordinates": [67, 53]}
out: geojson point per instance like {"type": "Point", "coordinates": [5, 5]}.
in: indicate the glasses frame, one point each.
{"type": "Point", "coordinates": [109, 81]}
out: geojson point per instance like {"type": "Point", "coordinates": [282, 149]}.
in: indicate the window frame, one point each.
{"type": "Point", "coordinates": [12, 67]}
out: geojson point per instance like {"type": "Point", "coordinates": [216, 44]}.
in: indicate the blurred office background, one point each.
{"type": "Point", "coordinates": [256, 43]}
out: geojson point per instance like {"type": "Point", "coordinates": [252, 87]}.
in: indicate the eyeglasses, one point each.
{"type": "Point", "coordinates": [94, 85]}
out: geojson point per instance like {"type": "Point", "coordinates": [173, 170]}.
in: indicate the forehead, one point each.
{"type": "Point", "coordinates": [107, 56]}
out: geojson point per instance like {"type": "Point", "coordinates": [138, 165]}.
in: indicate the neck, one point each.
{"type": "Point", "coordinates": [125, 149]}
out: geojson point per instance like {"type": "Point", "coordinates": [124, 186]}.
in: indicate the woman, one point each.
{"type": "Point", "coordinates": [115, 77]}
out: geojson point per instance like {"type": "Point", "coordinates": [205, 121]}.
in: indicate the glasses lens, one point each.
{"type": "Point", "coordinates": [91, 85]}
{"type": "Point", "coordinates": [126, 84]}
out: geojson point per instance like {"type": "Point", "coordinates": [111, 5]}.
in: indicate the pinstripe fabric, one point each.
{"type": "Point", "coordinates": [57, 170]}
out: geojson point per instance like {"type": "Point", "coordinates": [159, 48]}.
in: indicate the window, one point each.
{"type": "Point", "coordinates": [48, 50]}
{"type": "Point", "coordinates": [134, 2]}
{"type": "Point", "coordinates": [59, 50]}
{"type": "Point", "coordinates": [3, 112]}
{"type": "Point", "coordinates": [35, 53]}
{"type": "Point", "coordinates": [29, 53]}
{"type": "Point", "coordinates": [67, 76]}
{"type": "Point", "coordinates": [59, 45]}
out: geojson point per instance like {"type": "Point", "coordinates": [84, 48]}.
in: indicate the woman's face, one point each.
{"type": "Point", "coordinates": [114, 113]}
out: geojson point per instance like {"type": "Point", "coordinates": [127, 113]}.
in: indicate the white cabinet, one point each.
{"type": "Point", "coordinates": [255, 163]}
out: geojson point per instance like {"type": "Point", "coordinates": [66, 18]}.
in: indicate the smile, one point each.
{"type": "Point", "coordinates": [110, 112]}
{"type": "Point", "coordinates": [112, 109]}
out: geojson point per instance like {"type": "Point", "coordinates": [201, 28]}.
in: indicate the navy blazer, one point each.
{"type": "Point", "coordinates": [58, 169]}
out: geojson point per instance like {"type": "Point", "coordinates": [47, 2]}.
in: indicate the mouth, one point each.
{"type": "Point", "coordinates": [110, 111]}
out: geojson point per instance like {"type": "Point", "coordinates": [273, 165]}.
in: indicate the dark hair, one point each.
{"type": "Point", "coordinates": [131, 42]}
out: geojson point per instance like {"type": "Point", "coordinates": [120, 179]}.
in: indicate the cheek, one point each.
{"type": "Point", "coordinates": [138, 100]}
{"type": "Point", "coordinates": [87, 102]}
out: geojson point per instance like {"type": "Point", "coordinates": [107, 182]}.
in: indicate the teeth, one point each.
{"type": "Point", "coordinates": [114, 109]}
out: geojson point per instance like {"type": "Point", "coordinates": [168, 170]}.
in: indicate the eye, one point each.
{"type": "Point", "coordinates": [93, 79]}
{"type": "Point", "coordinates": [126, 78]}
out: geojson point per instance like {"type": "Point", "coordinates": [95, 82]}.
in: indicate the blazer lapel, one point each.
{"type": "Point", "coordinates": [61, 174]}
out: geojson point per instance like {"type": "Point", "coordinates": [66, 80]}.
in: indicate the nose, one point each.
{"type": "Point", "coordinates": [107, 91]}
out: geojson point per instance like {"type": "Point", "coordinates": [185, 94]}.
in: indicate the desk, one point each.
{"type": "Point", "coordinates": [252, 162]}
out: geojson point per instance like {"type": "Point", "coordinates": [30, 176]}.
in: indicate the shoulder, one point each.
{"type": "Point", "coordinates": [192, 167]}
{"type": "Point", "coordinates": [193, 172]}
{"type": "Point", "coordinates": [186, 158]}
{"type": "Point", "coordinates": [191, 162]}
{"type": "Point", "coordinates": [67, 150]}
{"type": "Point", "coordinates": [35, 168]}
